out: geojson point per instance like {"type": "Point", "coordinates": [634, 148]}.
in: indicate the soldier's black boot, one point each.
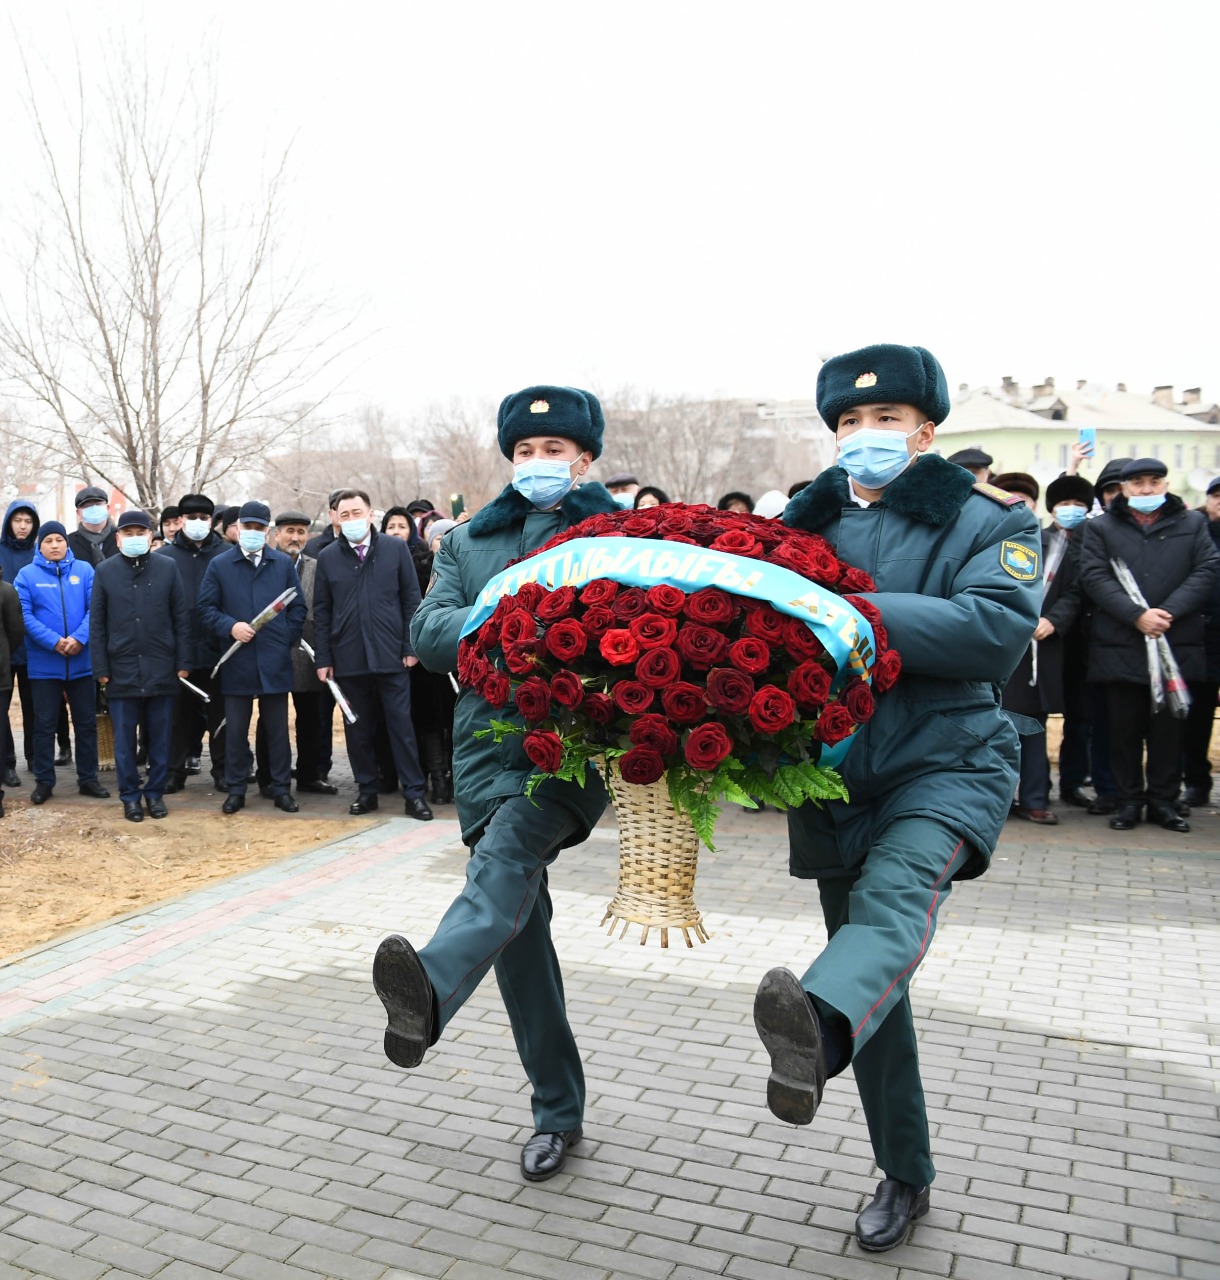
{"type": "Point", "coordinates": [1126, 818]}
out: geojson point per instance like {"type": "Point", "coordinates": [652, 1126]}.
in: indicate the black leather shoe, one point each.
{"type": "Point", "coordinates": [41, 793]}
{"type": "Point", "coordinates": [1074, 796]}
{"type": "Point", "coordinates": [132, 811]}
{"type": "Point", "coordinates": [1126, 817]}
{"type": "Point", "coordinates": [233, 803]}
{"type": "Point", "coordinates": [403, 987]}
{"type": "Point", "coordinates": [156, 808]}
{"type": "Point", "coordinates": [94, 790]}
{"type": "Point", "coordinates": [286, 803]}
{"type": "Point", "coordinates": [1195, 797]}
{"type": "Point", "coordinates": [418, 809]}
{"type": "Point", "coordinates": [1103, 805]}
{"type": "Point", "coordinates": [320, 787]}
{"type": "Point", "coordinates": [266, 792]}
{"type": "Point", "coordinates": [787, 1025]}
{"type": "Point", "coordinates": [63, 756]}
{"type": "Point", "coordinates": [174, 785]}
{"type": "Point", "coordinates": [886, 1222]}
{"type": "Point", "coordinates": [545, 1154]}
{"type": "Point", "coordinates": [363, 804]}
{"type": "Point", "coordinates": [1165, 815]}
{"type": "Point", "coordinates": [192, 765]}
{"type": "Point", "coordinates": [11, 779]}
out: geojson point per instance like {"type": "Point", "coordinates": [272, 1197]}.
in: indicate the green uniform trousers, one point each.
{"type": "Point", "coordinates": [503, 918]}
{"type": "Point", "coordinates": [880, 918]}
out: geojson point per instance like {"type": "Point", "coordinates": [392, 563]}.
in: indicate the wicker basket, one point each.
{"type": "Point", "coordinates": [105, 740]}
{"type": "Point", "coordinates": [658, 857]}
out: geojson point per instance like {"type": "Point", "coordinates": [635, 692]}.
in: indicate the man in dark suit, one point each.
{"type": "Point", "coordinates": [238, 585]}
{"type": "Point", "coordinates": [365, 595]}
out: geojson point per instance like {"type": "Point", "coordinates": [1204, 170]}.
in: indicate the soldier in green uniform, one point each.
{"type": "Point", "coordinates": [931, 776]}
{"type": "Point", "coordinates": [502, 916]}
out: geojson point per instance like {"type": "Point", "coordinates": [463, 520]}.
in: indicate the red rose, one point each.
{"type": "Point", "coordinates": [750, 655]}
{"type": "Point", "coordinates": [489, 634]}
{"type": "Point", "coordinates": [674, 521]}
{"type": "Point", "coordinates": [567, 689]}
{"type": "Point", "coordinates": [629, 604]}
{"type": "Point", "coordinates": [711, 606]}
{"type": "Point", "coordinates": [791, 555]}
{"type": "Point", "coordinates": [730, 691]}
{"type": "Point", "coordinates": [665, 599]}
{"type": "Point", "coordinates": [555, 604]}
{"type": "Point", "coordinates": [642, 766]}
{"type": "Point", "coordinates": [469, 659]}
{"type": "Point", "coordinates": [618, 646]}
{"type": "Point", "coordinates": [684, 702]}
{"type": "Point", "coordinates": [566, 639]}
{"type": "Point", "coordinates": [765, 623]}
{"type": "Point", "coordinates": [522, 658]}
{"type": "Point", "coordinates": [738, 542]}
{"type": "Point", "coordinates": [881, 638]}
{"type": "Point", "coordinates": [597, 621]}
{"type": "Point", "coordinates": [800, 641]}
{"type": "Point", "coordinates": [858, 699]}
{"type": "Point", "coordinates": [495, 689]}
{"type": "Point", "coordinates": [771, 709]}
{"type": "Point", "coordinates": [854, 579]}
{"type": "Point", "coordinates": [866, 607]}
{"type": "Point", "coordinates": [809, 684]}
{"type": "Point", "coordinates": [680, 537]}
{"type": "Point", "coordinates": [599, 591]}
{"type": "Point", "coordinates": [701, 646]}
{"type": "Point", "coordinates": [834, 724]}
{"type": "Point", "coordinates": [706, 746]}
{"type": "Point", "coordinates": [654, 731]}
{"type": "Point", "coordinates": [533, 699]}
{"type": "Point", "coordinates": [632, 697]}
{"type": "Point", "coordinates": [657, 668]}
{"type": "Point", "coordinates": [544, 749]}
{"type": "Point", "coordinates": [599, 707]}
{"type": "Point", "coordinates": [529, 595]}
{"type": "Point", "coordinates": [886, 670]}
{"type": "Point", "coordinates": [637, 525]}
{"type": "Point", "coordinates": [654, 631]}
{"type": "Point", "coordinates": [517, 626]}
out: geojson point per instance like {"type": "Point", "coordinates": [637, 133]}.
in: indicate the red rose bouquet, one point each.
{"type": "Point", "coordinates": [744, 684]}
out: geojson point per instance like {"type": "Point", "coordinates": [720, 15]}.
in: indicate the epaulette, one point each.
{"type": "Point", "coordinates": [1002, 496]}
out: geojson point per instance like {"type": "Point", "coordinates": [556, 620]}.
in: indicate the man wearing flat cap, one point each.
{"type": "Point", "coordinates": [1169, 552]}
{"type": "Point", "coordinates": [623, 487]}
{"type": "Point", "coordinates": [957, 571]}
{"type": "Point", "coordinates": [975, 461]}
{"type": "Point", "coordinates": [93, 540]}
{"type": "Point", "coordinates": [238, 585]}
{"type": "Point", "coordinates": [502, 917]}
{"type": "Point", "coordinates": [138, 635]}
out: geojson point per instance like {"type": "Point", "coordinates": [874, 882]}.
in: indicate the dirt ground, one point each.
{"type": "Point", "coordinates": [78, 863]}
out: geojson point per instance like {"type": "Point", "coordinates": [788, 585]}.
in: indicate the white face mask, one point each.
{"type": "Point", "coordinates": [134, 545]}
{"type": "Point", "coordinates": [873, 456]}
{"type": "Point", "coordinates": [197, 530]}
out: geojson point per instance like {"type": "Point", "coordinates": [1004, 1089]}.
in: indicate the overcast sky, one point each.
{"type": "Point", "coordinates": [704, 198]}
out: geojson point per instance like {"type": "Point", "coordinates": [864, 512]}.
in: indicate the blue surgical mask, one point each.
{"type": "Point", "coordinates": [624, 499]}
{"type": "Point", "coordinates": [873, 456]}
{"type": "Point", "coordinates": [1069, 516]}
{"type": "Point", "coordinates": [197, 530]}
{"type": "Point", "coordinates": [1147, 503]}
{"type": "Point", "coordinates": [542, 483]}
{"type": "Point", "coordinates": [252, 539]}
{"type": "Point", "coordinates": [94, 514]}
{"type": "Point", "coordinates": [354, 530]}
{"type": "Point", "coordinates": [134, 545]}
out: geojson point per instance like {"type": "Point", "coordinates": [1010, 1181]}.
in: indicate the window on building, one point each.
{"type": "Point", "coordinates": [1109, 453]}
{"type": "Point", "coordinates": [1038, 452]}
{"type": "Point", "coordinates": [1156, 451]}
{"type": "Point", "coordinates": [1179, 455]}
{"type": "Point", "coordinates": [1063, 457]}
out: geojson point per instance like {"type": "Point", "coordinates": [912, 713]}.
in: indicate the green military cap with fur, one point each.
{"type": "Point", "coordinates": [884, 373]}
{"type": "Point", "coordinates": [567, 412]}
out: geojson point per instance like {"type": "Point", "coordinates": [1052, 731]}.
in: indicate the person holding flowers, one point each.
{"type": "Point", "coordinates": [957, 571]}
{"type": "Point", "coordinates": [501, 919]}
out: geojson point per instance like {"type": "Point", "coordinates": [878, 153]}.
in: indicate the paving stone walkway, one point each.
{"type": "Point", "coordinates": [198, 1090]}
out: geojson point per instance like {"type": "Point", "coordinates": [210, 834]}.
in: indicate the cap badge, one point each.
{"type": "Point", "coordinates": [866, 380]}
{"type": "Point", "coordinates": [540, 406]}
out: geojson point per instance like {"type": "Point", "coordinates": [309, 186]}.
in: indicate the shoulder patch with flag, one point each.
{"type": "Point", "coordinates": [1018, 561]}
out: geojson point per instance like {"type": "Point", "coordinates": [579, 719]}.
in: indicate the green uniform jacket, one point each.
{"type": "Point", "coordinates": [485, 773]}
{"type": "Point", "coordinates": [959, 586]}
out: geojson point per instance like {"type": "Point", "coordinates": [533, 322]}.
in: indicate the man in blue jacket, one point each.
{"type": "Point", "coordinates": [957, 567]}
{"type": "Point", "coordinates": [365, 595]}
{"type": "Point", "coordinates": [238, 585]}
{"type": "Point", "coordinates": [139, 641]}
{"type": "Point", "coordinates": [55, 589]}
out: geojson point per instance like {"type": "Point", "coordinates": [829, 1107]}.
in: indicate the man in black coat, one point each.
{"type": "Point", "coordinates": [1170, 553]}
{"type": "Point", "coordinates": [193, 548]}
{"type": "Point", "coordinates": [138, 637]}
{"type": "Point", "coordinates": [365, 595]}
{"type": "Point", "coordinates": [1196, 746]}
{"type": "Point", "coordinates": [93, 540]}
{"type": "Point", "coordinates": [239, 584]}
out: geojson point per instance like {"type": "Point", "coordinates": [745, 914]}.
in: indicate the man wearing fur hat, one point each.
{"type": "Point", "coordinates": [957, 572]}
{"type": "Point", "coordinates": [551, 435]}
